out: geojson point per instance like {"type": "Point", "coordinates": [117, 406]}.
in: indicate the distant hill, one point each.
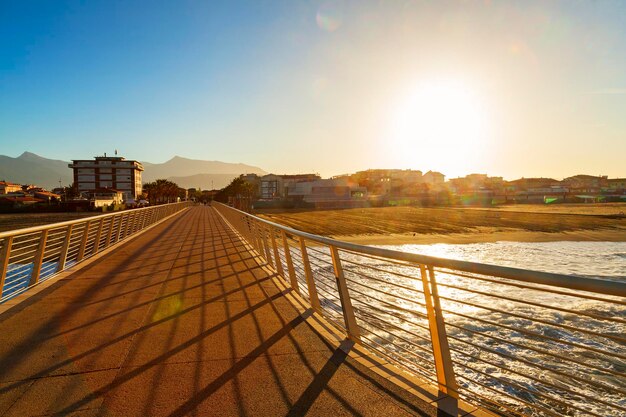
{"type": "Point", "coordinates": [29, 168]}
{"type": "Point", "coordinates": [197, 173]}
{"type": "Point", "coordinates": [204, 181]}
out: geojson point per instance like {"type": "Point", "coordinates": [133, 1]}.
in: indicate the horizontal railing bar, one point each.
{"type": "Point", "coordinates": [535, 349]}
{"type": "Point", "coordinates": [497, 405]}
{"type": "Point", "coordinates": [400, 337]}
{"type": "Point", "coordinates": [410, 352]}
{"type": "Point", "coordinates": [389, 303]}
{"type": "Point", "coordinates": [385, 292]}
{"type": "Point", "coordinates": [547, 307]}
{"type": "Point", "coordinates": [427, 374]}
{"type": "Point", "coordinates": [531, 287]}
{"type": "Point", "coordinates": [404, 319]}
{"type": "Point", "coordinates": [92, 219]}
{"type": "Point", "coordinates": [387, 282]}
{"type": "Point", "coordinates": [22, 248]}
{"type": "Point", "coordinates": [532, 364]}
{"type": "Point", "coordinates": [513, 384]}
{"type": "Point", "coordinates": [330, 297]}
{"type": "Point", "coordinates": [314, 249]}
{"type": "Point", "coordinates": [39, 253]}
{"type": "Point", "coordinates": [381, 258]}
{"type": "Point", "coordinates": [545, 278]}
{"type": "Point", "coordinates": [395, 273]}
{"type": "Point", "coordinates": [19, 260]}
{"type": "Point", "coordinates": [391, 328]}
{"type": "Point", "coordinates": [537, 320]}
{"type": "Point", "coordinates": [488, 403]}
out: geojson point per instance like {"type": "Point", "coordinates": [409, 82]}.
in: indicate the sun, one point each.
{"type": "Point", "coordinates": [441, 124]}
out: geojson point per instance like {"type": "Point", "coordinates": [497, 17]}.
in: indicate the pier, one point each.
{"type": "Point", "coordinates": [210, 311]}
{"type": "Point", "coordinates": [180, 321]}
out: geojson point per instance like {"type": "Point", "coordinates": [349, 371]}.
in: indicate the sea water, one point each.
{"type": "Point", "coordinates": [507, 342]}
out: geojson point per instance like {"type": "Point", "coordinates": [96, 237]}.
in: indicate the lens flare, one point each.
{"type": "Point", "coordinates": [329, 16]}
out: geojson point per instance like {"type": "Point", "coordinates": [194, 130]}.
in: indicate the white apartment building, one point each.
{"type": "Point", "coordinates": [105, 172]}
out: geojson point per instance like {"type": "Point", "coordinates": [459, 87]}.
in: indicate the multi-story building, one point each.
{"type": "Point", "coordinates": [274, 186]}
{"type": "Point", "coordinates": [105, 172]}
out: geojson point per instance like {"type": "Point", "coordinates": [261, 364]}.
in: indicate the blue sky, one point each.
{"type": "Point", "coordinates": [317, 86]}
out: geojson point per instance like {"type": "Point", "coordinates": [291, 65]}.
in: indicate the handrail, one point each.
{"type": "Point", "coordinates": [512, 320]}
{"type": "Point", "coordinates": [33, 254]}
{"type": "Point", "coordinates": [57, 225]}
{"type": "Point", "coordinates": [600, 286]}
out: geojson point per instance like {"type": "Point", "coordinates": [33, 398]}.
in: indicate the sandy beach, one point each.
{"type": "Point", "coordinates": [520, 223]}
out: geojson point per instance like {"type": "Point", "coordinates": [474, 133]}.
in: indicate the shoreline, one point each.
{"type": "Point", "coordinates": [610, 235]}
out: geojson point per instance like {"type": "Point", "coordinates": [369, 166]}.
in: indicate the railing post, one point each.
{"type": "Point", "coordinates": [256, 238]}
{"type": "Point", "coordinates": [65, 248]}
{"type": "Point", "coordinates": [144, 219]}
{"type": "Point", "coordinates": [268, 255]}
{"type": "Point", "coordinates": [83, 242]}
{"type": "Point", "coordinates": [140, 220]}
{"type": "Point", "coordinates": [37, 261]}
{"type": "Point", "coordinates": [96, 242]}
{"type": "Point", "coordinates": [133, 226]}
{"type": "Point", "coordinates": [441, 351]}
{"type": "Point", "coordinates": [148, 221]}
{"type": "Point", "coordinates": [5, 254]}
{"type": "Point", "coordinates": [292, 272]}
{"type": "Point", "coordinates": [259, 241]}
{"type": "Point", "coordinates": [279, 263]}
{"type": "Point", "coordinates": [344, 296]}
{"type": "Point", "coordinates": [119, 228]}
{"type": "Point", "coordinates": [110, 232]}
{"type": "Point", "coordinates": [129, 225]}
{"type": "Point", "coordinates": [315, 301]}
{"type": "Point", "coordinates": [249, 228]}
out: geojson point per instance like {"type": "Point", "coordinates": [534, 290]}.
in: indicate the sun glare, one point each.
{"type": "Point", "coordinates": [440, 123]}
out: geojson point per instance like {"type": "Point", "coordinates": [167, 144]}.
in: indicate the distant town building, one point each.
{"type": "Point", "coordinates": [8, 187]}
{"type": "Point", "coordinates": [105, 172]}
{"type": "Point", "coordinates": [45, 195]}
{"type": "Point", "coordinates": [434, 178]}
{"type": "Point", "coordinates": [105, 197]}
{"type": "Point", "coordinates": [274, 186]}
{"type": "Point", "coordinates": [586, 183]}
{"type": "Point", "coordinates": [616, 185]}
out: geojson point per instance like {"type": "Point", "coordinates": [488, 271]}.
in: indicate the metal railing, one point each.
{"type": "Point", "coordinates": [32, 255]}
{"type": "Point", "coordinates": [511, 341]}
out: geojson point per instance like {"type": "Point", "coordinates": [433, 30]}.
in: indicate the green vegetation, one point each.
{"type": "Point", "coordinates": [163, 191]}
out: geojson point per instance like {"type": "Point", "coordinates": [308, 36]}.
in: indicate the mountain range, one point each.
{"type": "Point", "coordinates": [29, 168]}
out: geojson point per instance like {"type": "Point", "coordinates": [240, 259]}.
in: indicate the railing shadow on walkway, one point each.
{"type": "Point", "coordinates": [224, 271]}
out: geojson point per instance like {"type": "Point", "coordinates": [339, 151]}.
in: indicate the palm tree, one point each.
{"type": "Point", "coordinates": [161, 191]}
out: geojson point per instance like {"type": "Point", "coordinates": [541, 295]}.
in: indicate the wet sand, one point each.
{"type": "Point", "coordinates": [520, 223]}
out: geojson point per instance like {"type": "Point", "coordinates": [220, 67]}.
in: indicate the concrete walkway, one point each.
{"type": "Point", "coordinates": [179, 321]}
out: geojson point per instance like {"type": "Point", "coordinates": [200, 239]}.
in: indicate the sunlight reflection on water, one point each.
{"type": "Point", "coordinates": [507, 342]}
{"type": "Point", "coordinates": [591, 259]}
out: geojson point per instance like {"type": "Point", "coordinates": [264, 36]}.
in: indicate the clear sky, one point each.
{"type": "Point", "coordinates": [510, 88]}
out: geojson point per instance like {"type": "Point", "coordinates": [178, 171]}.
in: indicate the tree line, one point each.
{"type": "Point", "coordinates": [163, 191]}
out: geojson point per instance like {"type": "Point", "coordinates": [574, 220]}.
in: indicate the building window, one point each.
{"type": "Point", "coordinates": [86, 185]}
